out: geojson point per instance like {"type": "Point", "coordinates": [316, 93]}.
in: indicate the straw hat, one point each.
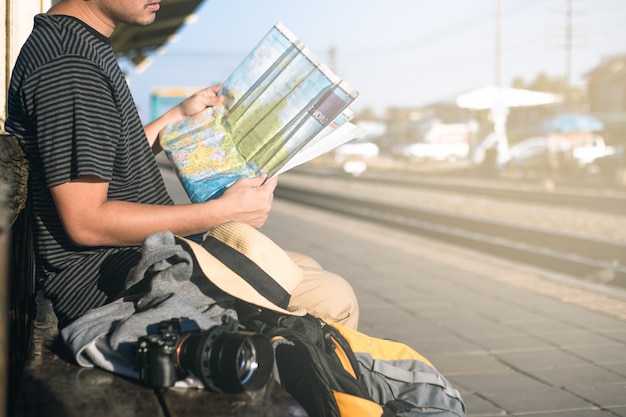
{"type": "Point", "coordinates": [248, 265]}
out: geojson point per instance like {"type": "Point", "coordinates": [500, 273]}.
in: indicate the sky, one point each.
{"type": "Point", "coordinates": [396, 53]}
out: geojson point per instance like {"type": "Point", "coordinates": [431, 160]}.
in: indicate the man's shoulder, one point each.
{"type": "Point", "coordinates": [57, 39]}
{"type": "Point", "coordinates": [66, 31]}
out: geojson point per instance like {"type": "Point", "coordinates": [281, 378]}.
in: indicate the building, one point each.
{"type": "Point", "coordinates": [606, 92]}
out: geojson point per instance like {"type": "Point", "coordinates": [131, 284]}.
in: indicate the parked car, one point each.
{"type": "Point", "coordinates": [567, 155]}
{"type": "Point", "coordinates": [440, 152]}
{"type": "Point", "coordinates": [588, 152]}
{"type": "Point", "coordinates": [527, 156]}
{"type": "Point", "coordinates": [442, 142]}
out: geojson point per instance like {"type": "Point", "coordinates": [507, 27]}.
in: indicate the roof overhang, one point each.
{"type": "Point", "coordinates": [137, 42]}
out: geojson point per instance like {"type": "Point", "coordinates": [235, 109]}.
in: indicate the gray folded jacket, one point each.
{"type": "Point", "coordinates": [162, 286]}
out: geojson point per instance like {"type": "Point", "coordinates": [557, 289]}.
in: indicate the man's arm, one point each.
{"type": "Point", "coordinates": [90, 219]}
{"type": "Point", "coordinates": [199, 101]}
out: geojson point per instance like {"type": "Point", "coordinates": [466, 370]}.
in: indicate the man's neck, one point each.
{"type": "Point", "coordinates": [86, 11]}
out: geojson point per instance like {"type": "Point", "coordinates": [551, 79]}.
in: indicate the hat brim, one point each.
{"type": "Point", "coordinates": [232, 283]}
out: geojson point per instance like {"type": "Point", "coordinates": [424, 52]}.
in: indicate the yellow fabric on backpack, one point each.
{"type": "Point", "coordinates": [380, 349]}
{"type": "Point", "coordinates": [352, 406]}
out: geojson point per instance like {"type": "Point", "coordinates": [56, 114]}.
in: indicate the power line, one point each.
{"type": "Point", "coordinates": [445, 33]}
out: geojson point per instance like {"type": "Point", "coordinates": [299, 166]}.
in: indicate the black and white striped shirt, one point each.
{"type": "Point", "coordinates": [71, 108]}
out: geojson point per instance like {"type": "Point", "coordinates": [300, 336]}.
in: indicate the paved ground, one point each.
{"type": "Point", "coordinates": [513, 340]}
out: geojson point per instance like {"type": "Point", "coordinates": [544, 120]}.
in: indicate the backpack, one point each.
{"type": "Point", "coordinates": [335, 371]}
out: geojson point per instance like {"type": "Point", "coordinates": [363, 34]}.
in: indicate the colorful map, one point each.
{"type": "Point", "coordinates": [278, 99]}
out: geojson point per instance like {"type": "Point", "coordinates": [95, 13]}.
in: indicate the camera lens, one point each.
{"type": "Point", "coordinates": [247, 363]}
{"type": "Point", "coordinates": [229, 362]}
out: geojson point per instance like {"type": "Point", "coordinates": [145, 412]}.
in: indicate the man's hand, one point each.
{"type": "Point", "coordinates": [199, 101]}
{"type": "Point", "coordinates": [250, 199]}
{"type": "Point", "coordinates": [207, 97]}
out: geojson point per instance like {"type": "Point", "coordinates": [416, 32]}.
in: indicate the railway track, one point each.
{"type": "Point", "coordinates": [591, 259]}
{"type": "Point", "coordinates": [601, 200]}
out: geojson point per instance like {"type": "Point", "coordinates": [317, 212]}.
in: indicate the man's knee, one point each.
{"type": "Point", "coordinates": [328, 296]}
{"type": "Point", "coordinates": [343, 294]}
{"type": "Point", "coordinates": [303, 261]}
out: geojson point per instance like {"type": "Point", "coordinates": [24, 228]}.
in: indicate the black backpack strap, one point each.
{"type": "Point", "coordinates": [394, 407]}
{"type": "Point", "coordinates": [308, 366]}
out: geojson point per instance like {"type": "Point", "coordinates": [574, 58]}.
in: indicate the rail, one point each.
{"type": "Point", "coordinates": [606, 200]}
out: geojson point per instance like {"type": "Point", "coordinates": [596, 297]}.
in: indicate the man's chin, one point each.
{"type": "Point", "coordinates": [144, 21]}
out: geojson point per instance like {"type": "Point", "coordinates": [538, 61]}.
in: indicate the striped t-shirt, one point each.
{"type": "Point", "coordinates": [71, 108]}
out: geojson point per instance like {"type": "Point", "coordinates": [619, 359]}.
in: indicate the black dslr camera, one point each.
{"type": "Point", "coordinates": [222, 358]}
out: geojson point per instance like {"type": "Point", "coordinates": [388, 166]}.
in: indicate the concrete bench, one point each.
{"type": "Point", "coordinates": [43, 379]}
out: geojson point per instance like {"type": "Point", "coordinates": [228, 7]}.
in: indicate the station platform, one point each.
{"type": "Point", "coordinates": [515, 341]}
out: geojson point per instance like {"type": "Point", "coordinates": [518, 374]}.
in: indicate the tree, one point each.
{"type": "Point", "coordinates": [543, 82]}
{"type": "Point", "coordinates": [366, 114]}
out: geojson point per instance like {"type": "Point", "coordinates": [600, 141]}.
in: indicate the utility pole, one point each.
{"type": "Point", "coordinates": [498, 49]}
{"type": "Point", "coordinates": [568, 54]}
{"type": "Point", "coordinates": [499, 109]}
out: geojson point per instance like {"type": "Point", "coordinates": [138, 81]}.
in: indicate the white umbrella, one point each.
{"type": "Point", "coordinates": [498, 100]}
{"type": "Point", "coordinates": [488, 97]}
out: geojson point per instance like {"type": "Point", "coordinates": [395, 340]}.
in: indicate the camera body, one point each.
{"type": "Point", "coordinates": [222, 357]}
